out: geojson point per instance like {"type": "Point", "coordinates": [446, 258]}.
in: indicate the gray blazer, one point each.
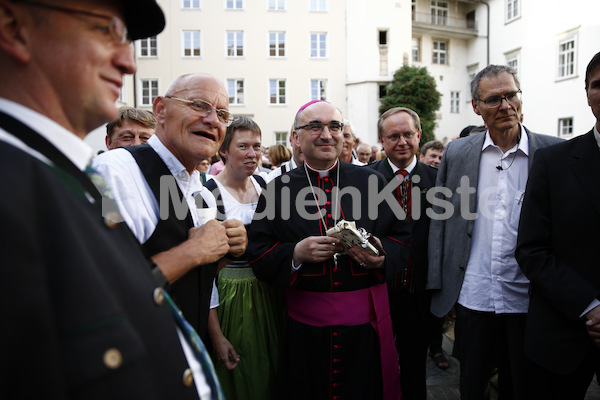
{"type": "Point", "coordinates": [450, 239]}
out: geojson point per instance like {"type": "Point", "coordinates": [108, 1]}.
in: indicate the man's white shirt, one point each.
{"type": "Point", "coordinates": [493, 281]}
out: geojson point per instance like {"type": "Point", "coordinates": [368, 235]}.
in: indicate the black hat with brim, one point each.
{"type": "Point", "coordinates": [144, 18]}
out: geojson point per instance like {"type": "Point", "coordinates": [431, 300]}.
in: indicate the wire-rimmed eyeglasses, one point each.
{"type": "Point", "coordinates": [204, 108]}
{"type": "Point", "coordinates": [317, 127]}
{"type": "Point", "coordinates": [495, 101]}
{"type": "Point", "coordinates": [116, 27]}
{"type": "Point", "coordinates": [394, 137]}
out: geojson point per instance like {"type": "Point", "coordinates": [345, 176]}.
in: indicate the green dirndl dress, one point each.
{"type": "Point", "coordinates": [251, 315]}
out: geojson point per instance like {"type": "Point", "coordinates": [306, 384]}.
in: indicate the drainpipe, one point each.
{"type": "Point", "coordinates": [488, 30]}
{"type": "Point", "coordinates": [135, 77]}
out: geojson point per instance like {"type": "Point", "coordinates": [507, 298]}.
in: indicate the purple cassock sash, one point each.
{"type": "Point", "coordinates": [358, 307]}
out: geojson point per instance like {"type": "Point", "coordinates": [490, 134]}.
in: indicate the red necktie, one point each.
{"type": "Point", "coordinates": [403, 195]}
{"type": "Point", "coordinates": [403, 192]}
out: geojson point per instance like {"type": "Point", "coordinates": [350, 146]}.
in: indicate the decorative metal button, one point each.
{"type": "Point", "coordinates": [188, 377]}
{"type": "Point", "coordinates": [112, 358]}
{"type": "Point", "coordinates": [159, 296]}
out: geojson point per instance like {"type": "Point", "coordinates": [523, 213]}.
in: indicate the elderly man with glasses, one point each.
{"type": "Point", "coordinates": [473, 274]}
{"type": "Point", "coordinates": [338, 340]}
{"type": "Point", "coordinates": [161, 197]}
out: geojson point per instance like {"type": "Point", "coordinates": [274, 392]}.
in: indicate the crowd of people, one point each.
{"type": "Point", "coordinates": [188, 261]}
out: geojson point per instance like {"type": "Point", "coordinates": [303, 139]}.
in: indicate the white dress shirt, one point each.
{"type": "Point", "coordinates": [75, 149]}
{"type": "Point", "coordinates": [409, 168]}
{"type": "Point", "coordinates": [493, 281]}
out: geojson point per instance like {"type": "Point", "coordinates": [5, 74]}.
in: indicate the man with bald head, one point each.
{"type": "Point", "coordinates": [161, 197]}
{"type": "Point", "coordinates": [338, 340]}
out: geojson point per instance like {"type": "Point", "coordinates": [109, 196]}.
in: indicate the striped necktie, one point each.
{"type": "Point", "coordinates": [198, 348]}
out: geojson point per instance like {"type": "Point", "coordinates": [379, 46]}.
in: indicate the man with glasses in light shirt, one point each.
{"type": "Point", "coordinates": [473, 274]}
{"type": "Point", "coordinates": [161, 197]}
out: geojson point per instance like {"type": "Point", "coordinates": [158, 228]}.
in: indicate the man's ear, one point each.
{"type": "Point", "coordinates": [294, 138]}
{"type": "Point", "coordinates": [475, 106]}
{"type": "Point", "coordinates": [107, 141]}
{"type": "Point", "coordinates": [158, 109]}
{"type": "Point", "coordinates": [15, 26]}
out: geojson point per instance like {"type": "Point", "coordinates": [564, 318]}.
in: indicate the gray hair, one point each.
{"type": "Point", "coordinates": [491, 70]}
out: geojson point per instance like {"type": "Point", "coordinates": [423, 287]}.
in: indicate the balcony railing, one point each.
{"type": "Point", "coordinates": [443, 20]}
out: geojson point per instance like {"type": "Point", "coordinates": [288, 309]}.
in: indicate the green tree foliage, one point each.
{"type": "Point", "coordinates": [414, 88]}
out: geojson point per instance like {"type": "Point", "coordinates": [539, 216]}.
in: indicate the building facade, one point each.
{"type": "Point", "coordinates": [275, 55]}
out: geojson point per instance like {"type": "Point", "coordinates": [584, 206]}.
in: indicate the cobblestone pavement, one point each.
{"type": "Point", "coordinates": [444, 384]}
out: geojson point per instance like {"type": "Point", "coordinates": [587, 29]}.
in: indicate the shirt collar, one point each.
{"type": "Point", "coordinates": [597, 135]}
{"type": "Point", "coordinates": [408, 169]}
{"type": "Point", "coordinates": [75, 149]}
{"type": "Point", "coordinates": [523, 144]}
{"type": "Point", "coordinates": [325, 172]}
{"type": "Point", "coordinates": [175, 166]}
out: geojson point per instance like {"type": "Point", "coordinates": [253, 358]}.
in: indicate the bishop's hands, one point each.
{"type": "Point", "coordinates": [365, 259]}
{"type": "Point", "coordinates": [315, 249]}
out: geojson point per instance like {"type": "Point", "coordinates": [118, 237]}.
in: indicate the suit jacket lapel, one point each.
{"type": "Point", "coordinates": [471, 166]}
{"type": "Point", "coordinates": [585, 164]}
{"type": "Point", "coordinates": [533, 146]}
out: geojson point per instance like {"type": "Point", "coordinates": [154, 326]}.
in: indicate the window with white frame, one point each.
{"type": "Point", "coordinates": [276, 44]}
{"type": "Point", "coordinates": [149, 89]}
{"type": "Point", "coordinates": [471, 73]}
{"type": "Point", "coordinates": [148, 47]}
{"type": "Point", "coordinates": [281, 138]}
{"type": "Point", "coordinates": [512, 10]}
{"type": "Point", "coordinates": [318, 45]}
{"type": "Point", "coordinates": [235, 43]}
{"type": "Point", "coordinates": [235, 90]}
{"type": "Point", "coordinates": [440, 52]}
{"type": "Point", "coordinates": [439, 12]}
{"type": "Point", "coordinates": [276, 5]}
{"type": "Point", "coordinates": [122, 97]}
{"type": "Point", "coordinates": [277, 91]}
{"type": "Point", "coordinates": [413, 7]}
{"type": "Point", "coordinates": [191, 43]}
{"type": "Point", "coordinates": [318, 89]}
{"type": "Point", "coordinates": [191, 4]}
{"type": "Point", "coordinates": [234, 4]}
{"type": "Point", "coordinates": [416, 49]}
{"type": "Point", "coordinates": [565, 126]}
{"type": "Point", "coordinates": [566, 58]}
{"type": "Point", "coordinates": [455, 102]}
{"type": "Point", "coordinates": [512, 60]}
{"type": "Point", "coordinates": [318, 5]}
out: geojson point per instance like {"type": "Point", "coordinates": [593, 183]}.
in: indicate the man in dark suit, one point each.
{"type": "Point", "coordinates": [475, 278]}
{"type": "Point", "coordinates": [399, 131]}
{"type": "Point", "coordinates": [557, 251]}
{"type": "Point", "coordinates": [82, 315]}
